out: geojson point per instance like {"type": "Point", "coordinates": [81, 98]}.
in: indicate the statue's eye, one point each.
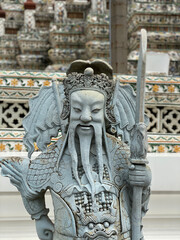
{"type": "Point", "coordinates": [106, 224]}
{"type": "Point", "coordinates": [77, 109]}
{"type": "Point", "coordinates": [91, 225]}
{"type": "Point", "coordinates": [96, 110]}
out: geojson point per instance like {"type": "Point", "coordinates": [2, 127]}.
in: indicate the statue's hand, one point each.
{"type": "Point", "coordinates": [139, 175]}
{"type": "Point", "coordinates": [16, 170]}
{"type": "Point", "coordinates": [44, 228]}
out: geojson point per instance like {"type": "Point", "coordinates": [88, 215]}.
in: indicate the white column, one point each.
{"type": "Point", "coordinates": [29, 19]}
{"type": "Point", "coordinates": [98, 6]}
{"type": "Point", "coordinates": [50, 5]}
{"type": "Point", "coordinates": [60, 13]}
{"type": "Point", "coordinates": [2, 28]}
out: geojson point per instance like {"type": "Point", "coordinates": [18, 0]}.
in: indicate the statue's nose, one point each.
{"type": "Point", "coordinates": [86, 117]}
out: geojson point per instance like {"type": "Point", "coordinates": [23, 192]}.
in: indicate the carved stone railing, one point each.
{"type": "Point", "coordinates": [162, 107]}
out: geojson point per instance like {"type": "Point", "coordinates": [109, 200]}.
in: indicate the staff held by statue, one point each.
{"type": "Point", "coordinates": [138, 146]}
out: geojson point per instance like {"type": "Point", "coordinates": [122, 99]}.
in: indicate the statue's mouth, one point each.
{"type": "Point", "coordinates": [100, 235]}
{"type": "Point", "coordinates": [85, 127]}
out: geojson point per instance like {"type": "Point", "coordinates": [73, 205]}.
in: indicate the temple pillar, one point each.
{"type": "Point", "coordinates": [29, 11]}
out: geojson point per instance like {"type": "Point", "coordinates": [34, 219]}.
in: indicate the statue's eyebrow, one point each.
{"type": "Point", "coordinates": [97, 102]}
{"type": "Point", "coordinates": [76, 102]}
{"type": "Point", "coordinates": [92, 104]}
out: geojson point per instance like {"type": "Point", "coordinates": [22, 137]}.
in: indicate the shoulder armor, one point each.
{"type": "Point", "coordinates": [119, 154]}
{"type": "Point", "coordinates": [41, 168]}
{"type": "Point", "coordinates": [122, 150]}
{"type": "Point", "coordinates": [118, 147]}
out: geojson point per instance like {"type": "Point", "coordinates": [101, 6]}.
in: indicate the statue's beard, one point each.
{"type": "Point", "coordinates": [85, 142]}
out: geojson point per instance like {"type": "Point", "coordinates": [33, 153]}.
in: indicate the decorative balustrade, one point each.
{"type": "Point", "coordinates": [162, 107]}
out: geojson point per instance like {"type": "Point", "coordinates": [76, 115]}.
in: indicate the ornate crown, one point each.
{"type": "Point", "coordinates": [91, 79]}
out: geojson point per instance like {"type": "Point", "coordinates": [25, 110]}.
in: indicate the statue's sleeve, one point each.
{"type": "Point", "coordinates": [122, 156]}
{"type": "Point", "coordinates": [35, 207]}
{"type": "Point", "coordinates": [145, 200]}
{"type": "Point", "coordinates": [39, 179]}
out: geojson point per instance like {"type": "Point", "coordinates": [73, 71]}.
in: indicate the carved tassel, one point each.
{"type": "Point", "coordinates": [103, 197]}
{"type": "Point", "coordinates": [85, 199]}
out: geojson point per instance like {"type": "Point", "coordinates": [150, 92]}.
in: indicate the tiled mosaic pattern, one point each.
{"type": "Point", "coordinates": [12, 141]}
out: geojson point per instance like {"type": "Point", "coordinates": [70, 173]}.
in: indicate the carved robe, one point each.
{"type": "Point", "coordinates": [78, 214]}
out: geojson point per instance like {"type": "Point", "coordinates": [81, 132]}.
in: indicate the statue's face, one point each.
{"type": "Point", "coordinates": [86, 124]}
{"type": "Point", "coordinates": [87, 109]}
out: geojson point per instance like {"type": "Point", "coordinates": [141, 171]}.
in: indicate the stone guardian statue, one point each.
{"type": "Point", "coordinates": [92, 169]}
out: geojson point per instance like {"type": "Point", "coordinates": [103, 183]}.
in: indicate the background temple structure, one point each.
{"type": "Point", "coordinates": [40, 38]}
{"type": "Point", "coordinates": [49, 34]}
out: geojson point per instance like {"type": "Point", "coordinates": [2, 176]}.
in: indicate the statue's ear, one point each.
{"type": "Point", "coordinates": [109, 114]}
{"type": "Point", "coordinates": [66, 110]}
